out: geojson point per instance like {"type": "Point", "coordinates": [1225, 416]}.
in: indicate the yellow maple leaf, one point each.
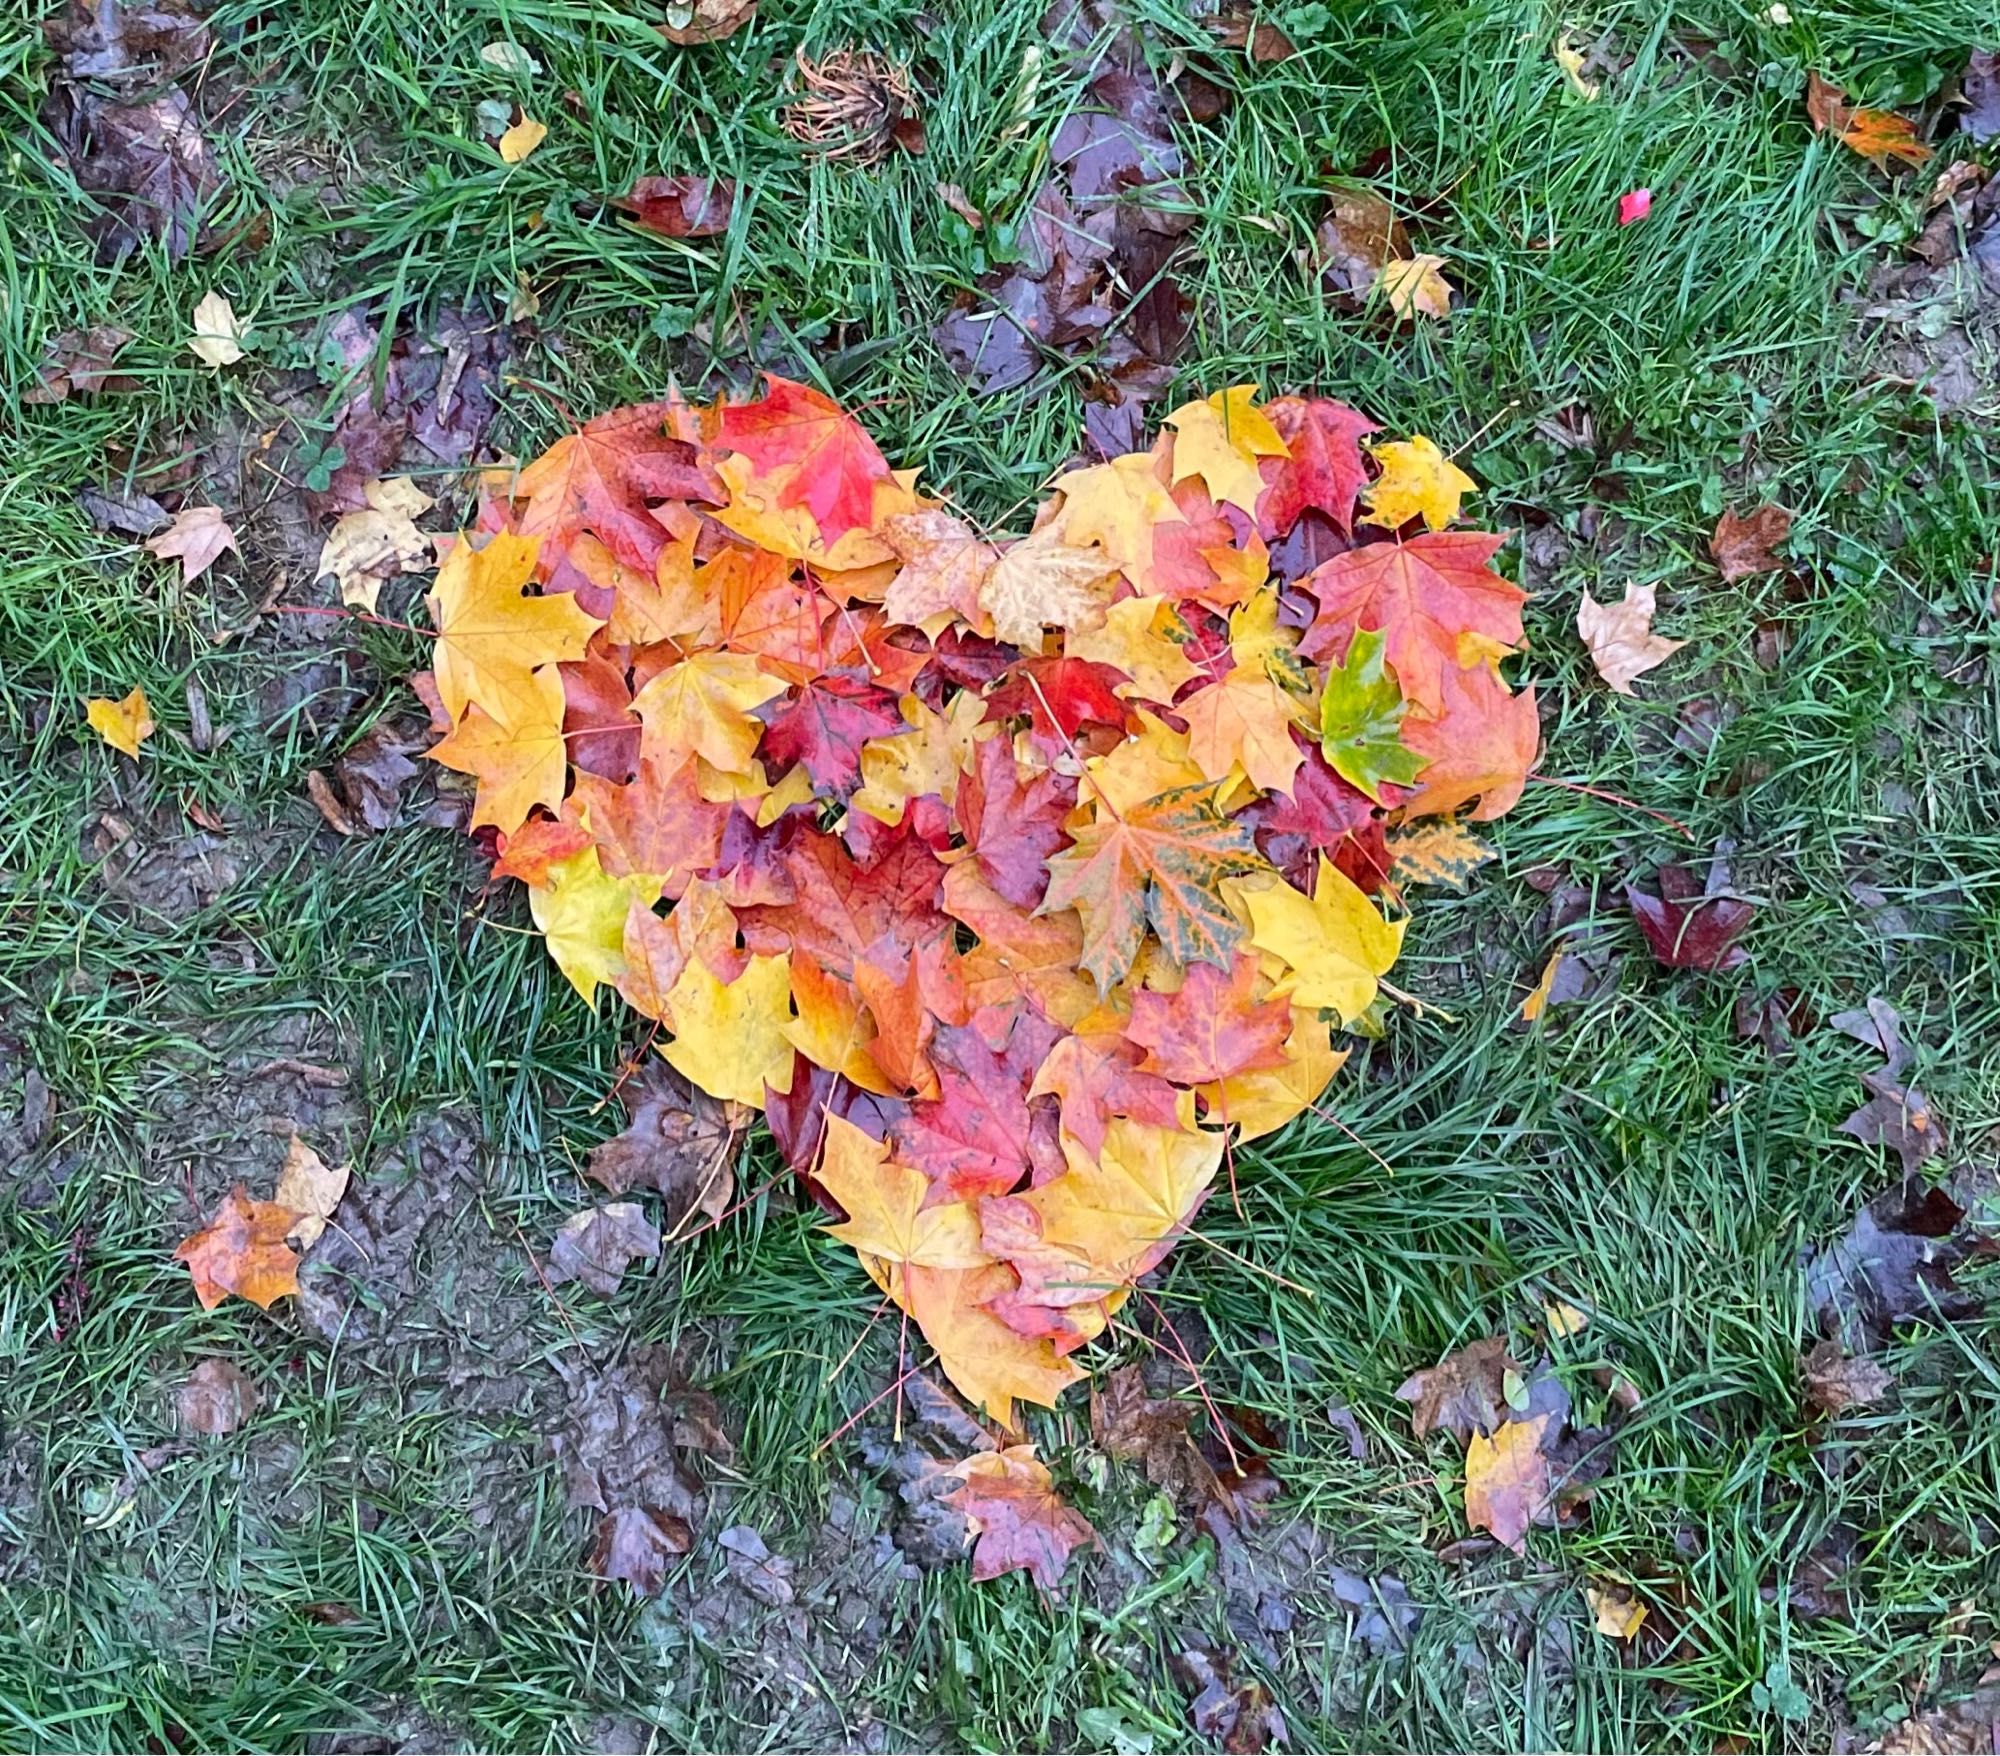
{"type": "Point", "coordinates": [1146, 639]}
{"type": "Point", "coordinates": [491, 639]}
{"type": "Point", "coordinates": [730, 1036]}
{"type": "Point", "coordinates": [928, 758]}
{"type": "Point", "coordinates": [670, 606]}
{"type": "Point", "coordinates": [1507, 1480]}
{"type": "Point", "coordinates": [1334, 946]}
{"type": "Point", "coordinates": [521, 761]}
{"type": "Point", "coordinates": [1043, 581]}
{"type": "Point", "coordinates": [1414, 287]}
{"type": "Point", "coordinates": [1416, 478]}
{"type": "Point", "coordinates": [1118, 505]}
{"type": "Point", "coordinates": [1264, 1100]}
{"type": "Point", "coordinates": [886, 1215]}
{"type": "Point", "coordinates": [522, 138]}
{"type": "Point", "coordinates": [1220, 440]}
{"type": "Point", "coordinates": [701, 707]}
{"type": "Point", "coordinates": [754, 514]}
{"type": "Point", "coordinates": [1153, 761]}
{"type": "Point", "coordinates": [833, 1030]}
{"type": "Point", "coordinates": [1243, 721]}
{"type": "Point", "coordinates": [581, 912]}
{"type": "Point", "coordinates": [124, 725]}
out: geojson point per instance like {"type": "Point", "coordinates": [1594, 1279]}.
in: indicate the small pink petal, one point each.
{"type": "Point", "coordinates": [1634, 206]}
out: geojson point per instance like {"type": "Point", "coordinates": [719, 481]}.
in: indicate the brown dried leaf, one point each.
{"type": "Point", "coordinates": [636, 1545]}
{"type": "Point", "coordinates": [1833, 1382]}
{"type": "Point", "coordinates": [216, 1398]}
{"type": "Point", "coordinates": [597, 1245]}
{"type": "Point", "coordinates": [1464, 1393]}
{"type": "Point", "coordinates": [1743, 547]}
{"type": "Point", "coordinates": [680, 1142]}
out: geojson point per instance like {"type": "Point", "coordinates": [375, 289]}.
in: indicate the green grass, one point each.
{"type": "Point", "coordinates": [1636, 1158]}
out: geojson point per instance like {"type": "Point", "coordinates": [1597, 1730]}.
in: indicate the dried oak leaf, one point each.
{"type": "Point", "coordinates": [597, 1245]}
{"type": "Point", "coordinates": [216, 1398]}
{"type": "Point", "coordinates": [1464, 1394]}
{"type": "Point", "coordinates": [679, 1141]}
{"type": "Point", "coordinates": [1743, 547]}
{"type": "Point", "coordinates": [1018, 1519]}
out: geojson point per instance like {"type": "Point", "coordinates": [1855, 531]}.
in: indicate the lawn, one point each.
{"type": "Point", "coordinates": [194, 965]}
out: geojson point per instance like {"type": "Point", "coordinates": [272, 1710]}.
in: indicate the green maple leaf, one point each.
{"type": "Point", "coordinates": [1361, 720]}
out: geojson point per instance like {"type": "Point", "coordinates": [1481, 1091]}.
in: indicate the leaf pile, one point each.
{"type": "Point", "coordinates": [1005, 877]}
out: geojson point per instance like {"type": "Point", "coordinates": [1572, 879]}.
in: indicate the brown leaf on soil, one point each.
{"type": "Point", "coordinates": [79, 363]}
{"type": "Point", "coordinates": [1743, 547]}
{"type": "Point", "coordinates": [1507, 1480]}
{"type": "Point", "coordinates": [689, 22]}
{"type": "Point", "coordinates": [597, 1245]}
{"type": "Point", "coordinates": [1152, 1432]}
{"type": "Point", "coordinates": [1464, 1394]}
{"type": "Point", "coordinates": [196, 538]}
{"type": "Point", "coordinates": [680, 1142]}
{"type": "Point", "coordinates": [1833, 1382]}
{"type": "Point", "coordinates": [216, 1398]}
{"type": "Point", "coordinates": [367, 783]}
{"type": "Point", "coordinates": [637, 1545]}
{"type": "Point", "coordinates": [1237, 26]}
{"type": "Point", "coordinates": [1240, 1717]}
{"type": "Point", "coordinates": [765, 1576]}
{"type": "Point", "coordinates": [242, 1250]}
{"type": "Point", "coordinates": [680, 207]}
{"type": "Point", "coordinates": [118, 42]}
{"type": "Point", "coordinates": [312, 1189]}
{"type": "Point", "coordinates": [1018, 1518]}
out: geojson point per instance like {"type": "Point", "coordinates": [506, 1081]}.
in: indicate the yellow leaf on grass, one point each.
{"type": "Point", "coordinates": [1334, 945]}
{"type": "Point", "coordinates": [1416, 478]}
{"type": "Point", "coordinates": [218, 335]}
{"type": "Point", "coordinates": [1043, 581]}
{"type": "Point", "coordinates": [1615, 1608]}
{"type": "Point", "coordinates": [1414, 287]}
{"type": "Point", "coordinates": [1564, 1319]}
{"type": "Point", "coordinates": [520, 761]}
{"type": "Point", "coordinates": [492, 640]}
{"type": "Point", "coordinates": [522, 139]}
{"type": "Point", "coordinates": [1220, 440]}
{"type": "Point", "coordinates": [1507, 1480]}
{"type": "Point", "coordinates": [311, 1188]}
{"type": "Point", "coordinates": [124, 725]}
{"type": "Point", "coordinates": [1620, 636]}
{"type": "Point", "coordinates": [701, 707]}
{"type": "Point", "coordinates": [730, 1036]}
{"type": "Point", "coordinates": [1537, 1001]}
{"type": "Point", "coordinates": [886, 1215]}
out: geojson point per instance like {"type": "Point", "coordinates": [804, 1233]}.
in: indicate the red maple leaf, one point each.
{"type": "Point", "coordinates": [1061, 695]}
{"type": "Point", "coordinates": [601, 478]}
{"type": "Point", "coordinates": [1212, 1027]}
{"type": "Point", "coordinates": [1692, 924]}
{"type": "Point", "coordinates": [1325, 470]}
{"type": "Point", "coordinates": [797, 1117]}
{"type": "Point", "coordinates": [1095, 1074]}
{"type": "Point", "coordinates": [795, 427]}
{"type": "Point", "coordinates": [658, 823]}
{"type": "Point", "coordinates": [1012, 825]}
{"type": "Point", "coordinates": [1323, 814]}
{"type": "Point", "coordinates": [983, 1135]}
{"type": "Point", "coordinates": [598, 726]}
{"type": "Point", "coordinates": [828, 721]}
{"type": "Point", "coordinates": [840, 909]}
{"type": "Point", "coordinates": [1425, 596]}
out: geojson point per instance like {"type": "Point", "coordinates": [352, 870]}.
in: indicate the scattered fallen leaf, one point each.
{"type": "Point", "coordinates": [1615, 1608]}
{"type": "Point", "coordinates": [1507, 1480]}
{"type": "Point", "coordinates": [364, 549]}
{"type": "Point", "coordinates": [597, 1245]}
{"type": "Point", "coordinates": [1893, 1265]}
{"type": "Point", "coordinates": [1571, 60]}
{"type": "Point", "coordinates": [679, 1142]}
{"type": "Point", "coordinates": [242, 1250]}
{"type": "Point", "coordinates": [1876, 135]}
{"type": "Point", "coordinates": [218, 336]}
{"type": "Point", "coordinates": [521, 138]}
{"type": "Point", "coordinates": [1358, 236]}
{"type": "Point", "coordinates": [765, 1576]}
{"type": "Point", "coordinates": [1415, 287]}
{"type": "Point", "coordinates": [636, 1545]}
{"type": "Point", "coordinates": [80, 363]}
{"type": "Point", "coordinates": [1620, 637]}
{"type": "Point", "coordinates": [1743, 547]}
{"type": "Point", "coordinates": [1464, 1394]}
{"type": "Point", "coordinates": [1564, 1320]}
{"type": "Point", "coordinates": [196, 537]}
{"type": "Point", "coordinates": [216, 1398]}
{"type": "Point", "coordinates": [689, 22]}
{"type": "Point", "coordinates": [1417, 479]}
{"type": "Point", "coordinates": [310, 1188]}
{"type": "Point", "coordinates": [511, 58]}
{"type": "Point", "coordinates": [1634, 205]}
{"type": "Point", "coordinates": [1693, 924]}
{"type": "Point", "coordinates": [124, 725]}
{"type": "Point", "coordinates": [681, 207]}
{"type": "Point", "coordinates": [1018, 1519]}
{"type": "Point", "coordinates": [1835, 1383]}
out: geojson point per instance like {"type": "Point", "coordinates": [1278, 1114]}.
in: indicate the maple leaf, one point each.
{"type": "Point", "coordinates": [1011, 824]}
{"type": "Point", "coordinates": [678, 1141]}
{"type": "Point", "coordinates": [1743, 547]}
{"type": "Point", "coordinates": [1324, 471]}
{"type": "Point", "coordinates": [124, 724]}
{"type": "Point", "coordinates": [1692, 924]}
{"type": "Point", "coordinates": [1481, 746]}
{"type": "Point", "coordinates": [1414, 288]}
{"type": "Point", "coordinates": [989, 1363]}
{"type": "Point", "coordinates": [597, 1245]}
{"type": "Point", "coordinates": [520, 762]}
{"type": "Point", "coordinates": [1263, 1100]}
{"type": "Point", "coordinates": [834, 464]}
{"type": "Point", "coordinates": [657, 823]}
{"type": "Point", "coordinates": [1221, 439]}
{"type": "Point", "coordinates": [840, 911]}
{"type": "Point", "coordinates": [1876, 135]}
{"type": "Point", "coordinates": [1120, 506]}
{"type": "Point", "coordinates": [1425, 596]}
{"type": "Point", "coordinates": [1212, 1027]}
{"type": "Point", "coordinates": [1112, 1216]}
{"type": "Point", "coordinates": [1361, 718]}
{"type": "Point", "coordinates": [218, 335]}
{"type": "Point", "coordinates": [908, 991]}
{"type": "Point", "coordinates": [984, 1133]}
{"type": "Point", "coordinates": [1323, 813]}
{"type": "Point", "coordinates": [701, 707]}
{"type": "Point", "coordinates": [1243, 722]}
{"type": "Point", "coordinates": [581, 913]}
{"type": "Point", "coordinates": [311, 1188]}
{"type": "Point", "coordinates": [520, 139]}
{"type": "Point", "coordinates": [944, 564]}
{"type": "Point", "coordinates": [825, 725]}
{"type": "Point", "coordinates": [1095, 1074]}
{"type": "Point", "coordinates": [600, 479]}
{"type": "Point", "coordinates": [1158, 863]}
{"type": "Point", "coordinates": [1416, 479]}
{"type": "Point", "coordinates": [196, 538]}
{"type": "Point", "coordinates": [884, 1200]}
{"type": "Point", "coordinates": [364, 548]}
{"type": "Point", "coordinates": [1018, 1520]}
{"type": "Point", "coordinates": [680, 207]}
{"type": "Point", "coordinates": [1334, 945]}
{"type": "Point", "coordinates": [242, 1250]}
{"type": "Point", "coordinates": [833, 1029]}
{"type": "Point", "coordinates": [636, 1545]}
{"type": "Point", "coordinates": [1444, 853]}
{"type": "Point", "coordinates": [929, 757]}
{"type": "Point", "coordinates": [729, 1037]}
{"type": "Point", "coordinates": [1041, 582]}
{"type": "Point", "coordinates": [1507, 1483]}
{"type": "Point", "coordinates": [491, 639]}
{"type": "Point", "coordinates": [1464, 1393]}
{"type": "Point", "coordinates": [1019, 955]}
{"type": "Point", "coordinates": [1144, 638]}
{"type": "Point", "coordinates": [1620, 637]}
{"type": "Point", "coordinates": [217, 1398]}
{"type": "Point", "coordinates": [1060, 696]}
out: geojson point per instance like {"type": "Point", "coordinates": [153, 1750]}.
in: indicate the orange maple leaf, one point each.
{"type": "Point", "coordinates": [242, 1250]}
{"type": "Point", "coordinates": [1480, 747]}
{"type": "Point", "coordinates": [603, 478]}
{"type": "Point", "coordinates": [833, 465]}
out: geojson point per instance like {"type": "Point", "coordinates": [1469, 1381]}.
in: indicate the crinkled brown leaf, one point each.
{"type": "Point", "coordinates": [679, 1142]}
{"type": "Point", "coordinates": [1743, 547]}
{"type": "Point", "coordinates": [216, 1398]}
{"type": "Point", "coordinates": [597, 1245]}
{"type": "Point", "coordinates": [636, 1545]}
{"type": "Point", "coordinates": [1464, 1394]}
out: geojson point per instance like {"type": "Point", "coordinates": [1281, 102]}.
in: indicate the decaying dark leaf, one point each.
{"type": "Point", "coordinates": [636, 1545]}
{"type": "Point", "coordinates": [365, 786]}
{"type": "Point", "coordinates": [148, 164]}
{"type": "Point", "coordinates": [134, 514]}
{"type": "Point", "coordinates": [1692, 924]}
{"type": "Point", "coordinates": [1359, 233]}
{"type": "Point", "coordinates": [217, 1398]}
{"type": "Point", "coordinates": [1980, 88]}
{"type": "Point", "coordinates": [112, 41]}
{"type": "Point", "coordinates": [79, 363]}
{"type": "Point", "coordinates": [1896, 1115]}
{"type": "Point", "coordinates": [680, 1142]}
{"type": "Point", "coordinates": [597, 1245]}
{"type": "Point", "coordinates": [1239, 1716]}
{"type": "Point", "coordinates": [1465, 1393]}
{"type": "Point", "coordinates": [1893, 1265]}
{"type": "Point", "coordinates": [765, 1576]}
{"type": "Point", "coordinates": [1239, 26]}
{"type": "Point", "coordinates": [1153, 1432]}
{"type": "Point", "coordinates": [1834, 1382]}
{"type": "Point", "coordinates": [680, 207]}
